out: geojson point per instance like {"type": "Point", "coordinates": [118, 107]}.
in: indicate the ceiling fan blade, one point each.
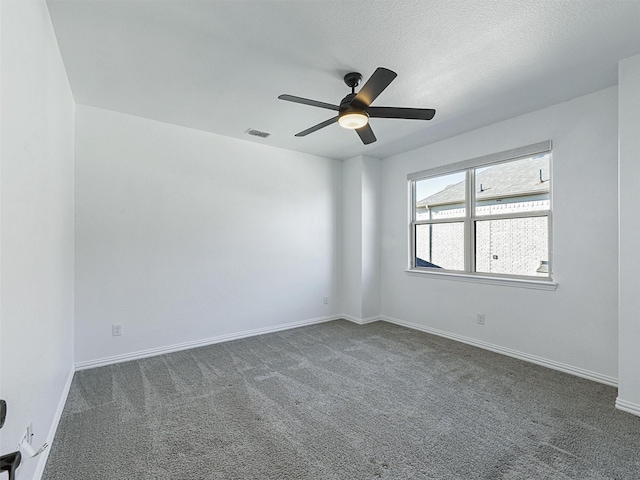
{"type": "Point", "coordinates": [306, 101]}
{"type": "Point", "coordinates": [326, 123]}
{"type": "Point", "coordinates": [366, 134]}
{"type": "Point", "coordinates": [395, 112]}
{"type": "Point", "coordinates": [380, 80]}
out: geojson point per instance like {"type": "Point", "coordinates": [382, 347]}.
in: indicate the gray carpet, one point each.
{"type": "Point", "coordinates": [340, 401]}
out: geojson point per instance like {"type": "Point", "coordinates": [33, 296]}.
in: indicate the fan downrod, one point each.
{"type": "Point", "coordinates": [352, 80]}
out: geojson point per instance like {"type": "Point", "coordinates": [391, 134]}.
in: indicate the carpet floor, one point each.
{"type": "Point", "coordinates": [340, 401]}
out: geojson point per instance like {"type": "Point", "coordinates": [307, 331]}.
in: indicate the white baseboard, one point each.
{"type": "Point", "coordinates": [628, 407]}
{"type": "Point", "coordinates": [152, 352]}
{"type": "Point", "coordinates": [371, 319]}
{"type": "Point", "coordinates": [594, 376]}
{"type": "Point", "coordinates": [361, 321]}
{"type": "Point", "coordinates": [563, 367]}
{"type": "Point", "coordinates": [42, 461]}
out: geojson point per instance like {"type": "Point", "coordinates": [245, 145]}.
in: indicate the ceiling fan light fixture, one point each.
{"type": "Point", "coordinates": [355, 109]}
{"type": "Point", "coordinates": [353, 120]}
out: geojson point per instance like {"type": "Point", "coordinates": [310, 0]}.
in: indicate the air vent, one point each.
{"type": "Point", "coordinates": [257, 133]}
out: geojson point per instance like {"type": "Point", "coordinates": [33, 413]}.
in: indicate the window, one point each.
{"type": "Point", "coordinates": [489, 216]}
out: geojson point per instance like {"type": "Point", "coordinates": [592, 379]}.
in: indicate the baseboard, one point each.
{"type": "Point", "coordinates": [579, 372]}
{"type": "Point", "coordinates": [361, 321]}
{"type": "Point", "coordinates": [628, 407]}
{"type": "Point", "coordinates": [152, 352]}
{"type": "Point", "coordinates": [563, 367]}
{"type": "Point", "coordinates": [42, 461]}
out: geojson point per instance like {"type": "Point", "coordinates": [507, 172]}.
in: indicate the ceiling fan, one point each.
{"type": "Point", "coordinates": [355, 109]}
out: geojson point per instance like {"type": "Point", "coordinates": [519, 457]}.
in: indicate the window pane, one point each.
{"type": "Point", "coordinates": [440, 245]}
{"type": "Point", "coordinates": [515, 246]}
{"type": "Point", "coordinates": [440, 197]}
{"type": "Point", "coordinates": [518, 186]}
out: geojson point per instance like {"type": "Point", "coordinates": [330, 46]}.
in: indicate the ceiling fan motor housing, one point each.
{"type": "Point", "coordinates": [346, 105]}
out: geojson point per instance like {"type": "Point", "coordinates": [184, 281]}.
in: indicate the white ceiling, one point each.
{"type": "Point", "coordinates": [219, 66]}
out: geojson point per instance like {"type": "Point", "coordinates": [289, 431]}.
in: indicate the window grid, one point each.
{"type": "Point", "coordinates": [472, 218]}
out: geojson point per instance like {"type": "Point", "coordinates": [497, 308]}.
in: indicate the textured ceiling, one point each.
{"type": "Point", "coordinates": [219, 66]}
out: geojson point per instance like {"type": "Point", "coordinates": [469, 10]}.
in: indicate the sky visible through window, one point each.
{"type": "Point", "coordinates": [427, 187]}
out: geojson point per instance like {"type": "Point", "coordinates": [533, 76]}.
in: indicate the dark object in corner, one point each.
{"type": "Point", "coordinates": [3, 412]}
{"type": "Point", "coordinates": [423, 263]}
{"type": "Point", "coordinates": [9, 463]}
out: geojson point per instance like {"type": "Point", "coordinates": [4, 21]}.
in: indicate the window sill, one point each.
{"type": "Point", "coordinates": [507, 282]}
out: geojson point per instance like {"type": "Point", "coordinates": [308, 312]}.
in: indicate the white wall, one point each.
{"type": "Point", "coordinates": [36, 223]}
{"type": "Point", "coordinates": [370, 237]}
{"type": "Point", "coordinates": [183, 235]}
{"type": "Point", "coordinates": [629, 320]}
{"type": "Point", "coordinates": [361, 238]}
{"type": "Point", "coordinates": [576, 325]}
{"type": "Point", "coordinates": [352, 238]}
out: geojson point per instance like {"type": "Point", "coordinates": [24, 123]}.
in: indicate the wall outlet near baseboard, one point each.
{"type": "Point", "coordinates": [116, 329]}
{"type": "Point", "coordinates": [481, 319]}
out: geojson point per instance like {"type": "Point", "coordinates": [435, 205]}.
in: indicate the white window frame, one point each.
{"type": "Point", "coordinates": [470, 219]}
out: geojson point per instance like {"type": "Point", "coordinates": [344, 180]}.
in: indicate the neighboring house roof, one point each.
{"type": "Point", "coordinates": [511, 179]}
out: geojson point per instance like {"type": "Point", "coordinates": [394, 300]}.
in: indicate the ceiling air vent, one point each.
{"type": "Point", "coordinates": [257, 133]}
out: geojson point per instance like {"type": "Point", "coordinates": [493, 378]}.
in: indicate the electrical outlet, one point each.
{"type": "Point", "coordinates": [326, 300]}
{"type": "Point", "coordinates": [116, 329]}
{"type": "Point", "coordinates": [481, 319]}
